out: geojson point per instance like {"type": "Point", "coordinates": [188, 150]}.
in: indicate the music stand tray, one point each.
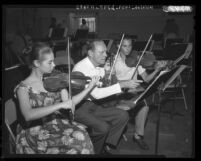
{"type": "Point", "coordinates": [173, 77]}
{"type": "Point", "coordinates": [161, 78]}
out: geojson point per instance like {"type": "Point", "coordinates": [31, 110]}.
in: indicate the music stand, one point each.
{"type": "Point", "coordinates": [174, 51]}
{"type": "Point", "coordinates": [160, 83]}
{"type": "Point", "coordinates": [81, 34]}
{"type": "Point", "coordinates": [108, 43]}
{"type": "Point", "coordinates": [185, 55]}
{"type": "Point", "coordinates": [139, 45]}
{"type": "Point", "coordinates": [158, 37]}
{"type": "Point", "coordinates": [169, 41]}
{"type": "Point", "coordinates": [134, 37]}
{"type": "Point", "coordinates": [153, 87]}
{"type": "Point", "coordinates": [57, 33]}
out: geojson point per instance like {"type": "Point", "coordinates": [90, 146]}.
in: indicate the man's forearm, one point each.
{"type": "Point", "coordinates": [151, 76]}
{"type": "Point", "coordinates": [99, 93]}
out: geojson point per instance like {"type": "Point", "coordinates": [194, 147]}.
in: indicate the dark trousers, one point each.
{"type": "Point", "coordinates": [106, 124]}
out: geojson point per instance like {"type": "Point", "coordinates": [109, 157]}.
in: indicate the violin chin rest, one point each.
{"type": "Point", "coordinates": [123, 107]}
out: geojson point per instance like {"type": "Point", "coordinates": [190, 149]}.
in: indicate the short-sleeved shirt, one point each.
{"type": "Point", "coordinates": [123, 72]}
{"type": "Point", "coordinates": [86, 67]}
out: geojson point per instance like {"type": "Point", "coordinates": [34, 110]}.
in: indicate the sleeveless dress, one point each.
{"type": "Point", "coordinates": [52, 134]}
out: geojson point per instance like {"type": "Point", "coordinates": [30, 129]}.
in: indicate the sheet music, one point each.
{"type": "Point", "coordinates": [176, 74]}
{"type": "Point", "coordinates": [186, 53]}
{"type": "Point", "coordinates": [160, 74]}
{"type": "Point", "coordinates": [188, 50]}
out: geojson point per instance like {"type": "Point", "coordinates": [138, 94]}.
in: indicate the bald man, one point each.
{"type": "Point", "coordinates": [106, 124]}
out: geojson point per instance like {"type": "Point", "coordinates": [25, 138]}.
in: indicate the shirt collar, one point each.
{"type": "Point", "coordinates": [91, 64]}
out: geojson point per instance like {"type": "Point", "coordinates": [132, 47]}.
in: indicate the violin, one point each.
{"type": "Point", "coordinates": [110, 76]}
{"type": "Point", "coordinates": [105, 80]}
{"type": "Point", "coordinates": [57, 81]}
{"type": "Point", "coordinates": [148, 60]}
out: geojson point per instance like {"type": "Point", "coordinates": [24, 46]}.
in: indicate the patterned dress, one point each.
{"type": "Point", "coordinates": [52, 134]}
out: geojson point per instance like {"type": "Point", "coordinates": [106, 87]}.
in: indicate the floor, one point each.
{"type": "Point", "coordinates": [175, 133]}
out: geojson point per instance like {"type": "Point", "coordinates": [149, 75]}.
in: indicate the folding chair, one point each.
{"type": "Point", "coordinates": [10, 118]}
{"type": "Point", "coordinates": [180, 85]}
{"type": "Point", "coordinates": [175, 87]}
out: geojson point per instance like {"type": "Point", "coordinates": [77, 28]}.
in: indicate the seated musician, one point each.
{"type": "Point", "coordinates": [123, 72]}
{"type": "Point", "coordinates": [106, 124]}
{"type": "Point", "coordinates": [43, 130]}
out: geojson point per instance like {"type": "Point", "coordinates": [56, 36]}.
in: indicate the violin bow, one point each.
{"type": "Point", "coordinates": [69, 78]}
{"type": "Point", "coordinates": [115, 59]}
{"type": "Point", "coordinates": [69, 69]}
{"type": "Point", "coordinates": [136, 68]}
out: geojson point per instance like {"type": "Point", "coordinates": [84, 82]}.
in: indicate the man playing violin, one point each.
{"type": "Point", "coordinates": [123, 72]}
{"type": "Point", "coordinates": [105, 124]}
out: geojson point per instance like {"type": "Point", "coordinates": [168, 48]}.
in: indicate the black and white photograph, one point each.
{"type": "Point", "coordinates": [98, 81]}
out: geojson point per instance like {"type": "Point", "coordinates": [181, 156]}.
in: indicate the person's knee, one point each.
{"type": "Point", "coordinates": [103, 128]}
{"type": "Point", "coordinates": [123, 115]}
{"type": "Point", "coordinates": [146, 108]}
{"type": "Point", "coordinates": [80, 115]}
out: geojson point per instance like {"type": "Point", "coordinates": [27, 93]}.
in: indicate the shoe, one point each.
{"type": "Point", "coordinates": [141, 143]}
{"type": "Point", "coordinates": [107, 150]}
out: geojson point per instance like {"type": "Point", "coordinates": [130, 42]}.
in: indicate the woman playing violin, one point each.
{"type": "Point", "coordinates": [42, 129]}
{"type": "Point", "coordinates": [123, 72]}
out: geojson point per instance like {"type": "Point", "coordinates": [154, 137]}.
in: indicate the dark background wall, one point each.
{"type": "Point", "coordinates": [140, 22]}
{"type": "Point", "coordinates": [35, 21]}
{"type": "Point", "coordinates": [143, 23]}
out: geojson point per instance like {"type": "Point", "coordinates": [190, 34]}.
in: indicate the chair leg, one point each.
{"type": "Point", "coordinates": [153, 98]}
{"type": "Point", "coordinates": [125, 138]}
{"type": "Point", "coordinates": [11, 146]}
{"type": "Point", "coordinates": [123, 134]}
{"type": "Point", "coordinates": [184, 98]}
{"type": "Point", "coordinates": [173, 110]}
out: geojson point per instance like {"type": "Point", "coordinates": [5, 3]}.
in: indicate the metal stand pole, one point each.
{"type": "Point", "coordinates": [158, 123]}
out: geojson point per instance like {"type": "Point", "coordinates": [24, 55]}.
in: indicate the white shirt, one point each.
{"type": "Point", "coordinates": [86, 67]}
{"type": "Point", "coordinates": [123, 72]}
